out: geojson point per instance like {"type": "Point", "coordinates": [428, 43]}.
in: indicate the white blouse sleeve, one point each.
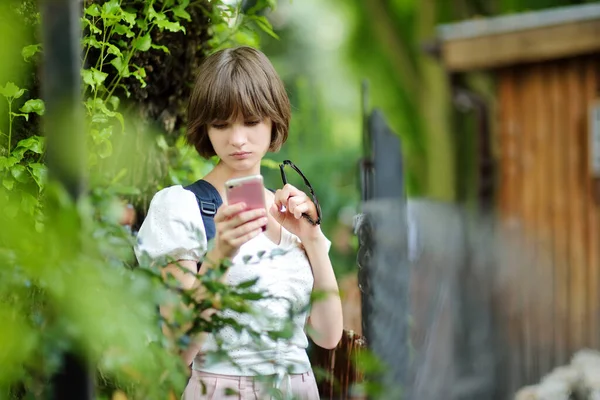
{"type": "Point", "coordinates": [173, 228]}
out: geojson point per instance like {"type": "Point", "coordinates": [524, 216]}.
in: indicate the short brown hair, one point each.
{"type": "Point", "coordinates": [237, 80]}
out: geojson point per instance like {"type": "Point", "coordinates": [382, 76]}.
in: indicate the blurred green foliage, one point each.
{"type": "Point", "coordinates": [68, 278]}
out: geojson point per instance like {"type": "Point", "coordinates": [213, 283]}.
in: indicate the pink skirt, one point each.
{"type": "Point", "coordinates": [207, 386]}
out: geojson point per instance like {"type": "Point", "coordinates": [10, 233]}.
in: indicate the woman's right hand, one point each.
{"type": "Point", "coordinates": [234, 227]}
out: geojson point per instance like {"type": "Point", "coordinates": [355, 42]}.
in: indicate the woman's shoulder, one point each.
{"type": "Point", "coordinates": [175, 198]}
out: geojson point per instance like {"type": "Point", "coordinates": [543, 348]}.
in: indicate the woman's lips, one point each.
{"type": "Point", "coordinates": [240, 155]}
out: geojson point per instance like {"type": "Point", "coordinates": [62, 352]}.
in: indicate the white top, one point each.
{"type": "Point", "coordinates": [173, 227]}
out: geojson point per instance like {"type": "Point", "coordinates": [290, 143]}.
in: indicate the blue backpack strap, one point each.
{"type": "Point", "coordinates": [209, 200]}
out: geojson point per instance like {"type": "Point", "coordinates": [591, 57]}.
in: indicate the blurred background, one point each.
{"type": "Point", "coordinates": [483, 273]}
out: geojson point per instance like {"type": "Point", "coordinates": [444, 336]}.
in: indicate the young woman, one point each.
{"type": "Point", "coordinates": [239, 111]}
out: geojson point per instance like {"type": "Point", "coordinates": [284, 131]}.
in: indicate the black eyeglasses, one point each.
{"type": "Point", "coordinates": [308, 185]}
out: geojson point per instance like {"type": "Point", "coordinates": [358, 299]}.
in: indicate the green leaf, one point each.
{"type": "Point", "coordinates": [11, 91]}
{"type": "Point", "coordinates": [119, 117]}
{"type": "Point", "coordinates": [110, 9]}
{"type": "Point", "coordinates": [7, 162]}
{"type": "Point", "coordinates": [160, 47]}
{"type": "Point", "coordinates": [143, 43]}
{"type": "Point", "coordinates": [264, 24]}
{"type": "Point", "coordinates": [140, 74]}
{"type": "Point", "coordinates": [8, 183]}
{"type": "Point", "coordinates": [33, 143]}
{"type": "Point", "coordinates": [170, 26]}
{"type": "Point", "coordinates": [181, 13]}
{"type": "Point", "coordinates": [121, 67]}
{"type": "Point", "coordinates": [104, 134]}
{"type": "Point", "coordinates": [30, 51]}
{"type": "Point", "coordinates": [153, 15]}
{"type": "Point", "coordinates": [141, 24]}
{"type": "Point", "coordinates": [34, 105]}
{"type": "Point", "coordinates": [128, 17]}
{"type": "Point", "coordinates": [93, 10]}
{"type": "Point", "coordinates": [93, 77]}
{"type": "Point", "coordinates": [39, 172]}
{"type": "Point", "coordinates": [114, 101]}
{"type": "Point", "coordinates": [123, 30]}
{"type": "Point", "coordinates": [105, 149]}
{"type": "Point", "coordinates": [112, 49]}
{"type": "Point", "coordinates": [19, 173]}
{"type": "Point", "coordinates": [247, 284]}
{"type": "Point", "coordinates": [119, 176]}
{"type": "Point", "coordinates": [91, 41]}
{"type": "Point", "coordinates": [162, 143]}
{"type": "Point", "coordinates": [28, 203]}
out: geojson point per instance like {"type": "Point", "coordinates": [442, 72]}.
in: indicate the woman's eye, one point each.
{"type": "Point", "coordinates": [252, 122]}
{"type": "Point", "coordinates": [219, 126]}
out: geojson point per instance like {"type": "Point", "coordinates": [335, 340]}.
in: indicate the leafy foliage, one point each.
{"type": "Point", "coordinates": [68, 278]}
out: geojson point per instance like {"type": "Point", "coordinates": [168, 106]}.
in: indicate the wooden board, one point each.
{"type": "Point", "coordinates": [531, 45]}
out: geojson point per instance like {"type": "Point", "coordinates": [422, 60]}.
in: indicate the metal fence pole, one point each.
{"type": "Point", "coordinates": [61, 90]}
{"type": "Point", "coordinates": [383, 251]}
{"type": "Point", "coordinates": [66, 150]}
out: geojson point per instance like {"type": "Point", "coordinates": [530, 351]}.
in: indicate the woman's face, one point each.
{"type": "Point", "coordinates": [241, 143]}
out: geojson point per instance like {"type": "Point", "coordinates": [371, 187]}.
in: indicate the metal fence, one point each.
{"type": "Point", "coordinates": [427, 278]}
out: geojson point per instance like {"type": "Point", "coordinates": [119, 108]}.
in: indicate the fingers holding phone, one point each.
{"type": "Point", "coordinates": [244, 217]}
{"type": "Point", "coordinates": [236, 225]}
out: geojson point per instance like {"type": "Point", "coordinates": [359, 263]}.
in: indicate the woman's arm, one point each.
{"type": "Point", "coordinates": [185, 273]}
{"type": "Point", "coordinates": [326, 314]}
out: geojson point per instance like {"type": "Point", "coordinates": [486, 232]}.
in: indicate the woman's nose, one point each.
{"type": "Point", "coordinates": [238, 135]}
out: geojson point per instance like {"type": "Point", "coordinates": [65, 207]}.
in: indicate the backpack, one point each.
{"type": "Point", "coordinates": [209, 200]}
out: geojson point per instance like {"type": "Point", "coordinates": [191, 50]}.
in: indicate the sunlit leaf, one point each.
{"type": "Point", "coordinates": [33, 143]}
{"type": "Point", "coordinates": [34, 105]}
{"type": "Point", "coordinates": [30, 51]}
{"type": "Point", "coordinates": [12, 91]}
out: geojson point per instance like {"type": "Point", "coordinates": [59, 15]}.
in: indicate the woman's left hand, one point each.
{"type": "Point", "coordinates": [296, 202]}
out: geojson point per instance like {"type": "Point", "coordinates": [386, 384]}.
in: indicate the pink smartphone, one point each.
{"type": "Point", "coordinates": [249, 190]}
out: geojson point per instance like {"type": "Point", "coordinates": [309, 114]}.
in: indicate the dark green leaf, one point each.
{"type": "Point", "coordinates": [247, 284]}
{"type": "Point", "coordinates": [38, 172]}
{"type": "Point", "coordinates": [19, 173]}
